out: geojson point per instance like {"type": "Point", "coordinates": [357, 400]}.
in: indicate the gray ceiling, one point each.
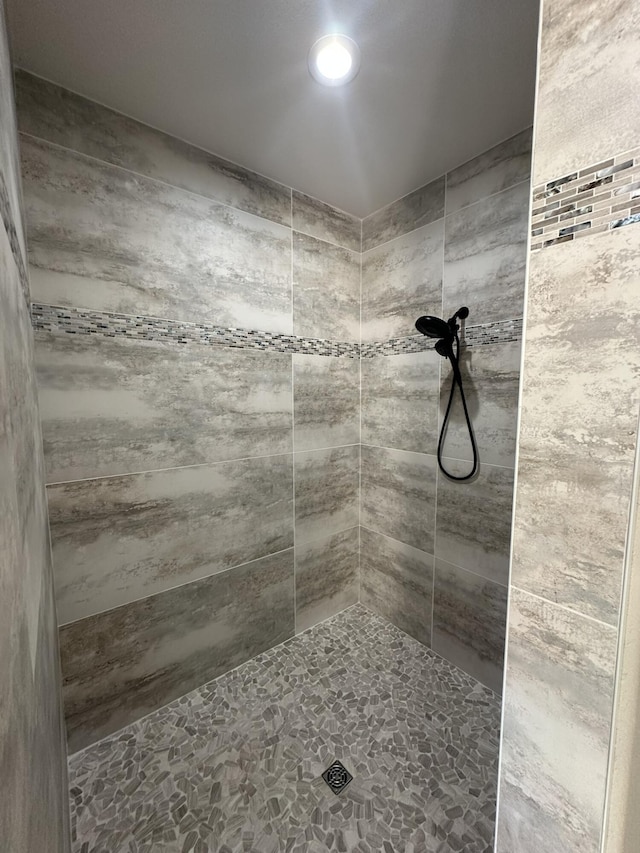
{"type": "Point", "coordinates": [441, 81]}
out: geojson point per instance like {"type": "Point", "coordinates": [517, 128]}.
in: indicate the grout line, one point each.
{"type": "Point", "coordinates": [159, 181]}
{"type": "Point", "coordinates": [434, 456]}
{"type": "Point", "coordinates": [316, 539]}
{"type": "Point", "coordinates": [143, 472]}
{"type": "Point", "coordinates": [360, 429]}
{"type": "Point", "coordinates": [564, 607]}
{"type": "Point", "coordinates": [293, 443]}
{"type": "Point", "coordinates": [173, 588]}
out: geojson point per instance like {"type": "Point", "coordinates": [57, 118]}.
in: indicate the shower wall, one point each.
{"type": "Point", "coordinates": [172, 463]}
{"type": "Point", "coordinates": [579, 431]}
{"type": "Point", "coordinates": [198, 350]}
{"type": "Point", "coordinates": [435, 553]}
{"type": "Point", "coordinates": [33, 781]}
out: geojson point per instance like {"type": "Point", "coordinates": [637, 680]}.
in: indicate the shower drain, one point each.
{"type": "Point", "coordinates": [337, 777]}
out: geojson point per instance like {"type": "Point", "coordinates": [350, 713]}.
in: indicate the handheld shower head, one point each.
{"type": "Point", "coordinates": [433, 327]}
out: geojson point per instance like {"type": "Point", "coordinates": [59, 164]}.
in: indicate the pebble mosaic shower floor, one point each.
{"type": "Point", "coordinates": [236, 766]}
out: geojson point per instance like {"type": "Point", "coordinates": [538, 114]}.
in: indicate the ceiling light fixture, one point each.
{"type": "Point", "coordinates": [334, 60]}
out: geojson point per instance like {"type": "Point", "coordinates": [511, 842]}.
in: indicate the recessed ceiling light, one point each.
{"type": "Point", "coordinates": [334, 60]}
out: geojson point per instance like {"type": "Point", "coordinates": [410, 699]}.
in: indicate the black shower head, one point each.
{"type": "Point", "coordinates": [433, 327]}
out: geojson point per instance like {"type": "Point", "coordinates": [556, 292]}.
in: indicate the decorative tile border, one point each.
{"type": "Point", "coordinates": [78, 321]}
{"type": "Point", "coordinates": [593, 200]}
{"type": "Point", "coordinates": [478, 335]}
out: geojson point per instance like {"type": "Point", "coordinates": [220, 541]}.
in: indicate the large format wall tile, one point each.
{"type": "Point", "coordinates": [117, 406]}
{"type": "Point", "coordinates": [326, 290]}
{"type": "Point", "coordinates": [469, 622]}
{"type": "Point", "coordinates": [401, 280]}
{"type": "Point", "coordinates": [588, 85]}
{"type": "Point", "coordinates": [396, 581]}
{"type": "Point", "coordinates": [420, 207]}
{"type": "Point", "coordinates": [485, 253]}
{"type": "Point", "coordinates": [52, 113]}
{"type": "Point", "coordinates": [558, 697]}
{"type": "Point", "coordinates": [473, 524]}
{"type": "Point", "coordinates": [579, 419]}
{"type": "Point", "coordinates": [120, 665]}
{"type": "Point", "coordinates": [491, 377]}
{"type": "Point", "coordinates": [320, 220]}
{"type": "Point", "coordinates": [582, 361]}
{"type": "Point", "coordinates": [326, 492]}
{"type": "Point", "coordinates": [103, 238]}
{"type": "Point", "coordinates": [326, 401]}
{"type": "Point", "coordinates": [501, 167]}
{"type": "Point", "coordinates": [121, 538]}
{"type": "Point", "coordinates": [568, 545]}
{"type": "Point", "coordinates": [33, 801]}
{"type": "Point", "coordinates": [399, 495]}
{"type": "Point", "coordinates": [400, 401]}
{"type": "Point", "coordinates": [326, 577]}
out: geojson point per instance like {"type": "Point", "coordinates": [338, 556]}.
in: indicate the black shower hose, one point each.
{"type": "Point", "coordinates": [457, 380]}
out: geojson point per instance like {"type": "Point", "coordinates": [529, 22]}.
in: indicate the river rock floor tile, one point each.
{"type": "Point", "coordinates": [236, 766]}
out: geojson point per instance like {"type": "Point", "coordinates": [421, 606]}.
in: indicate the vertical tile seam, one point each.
{"type": "Point", "coordinates": [525, 311]}
{"type": "Point", "coordinates": [360, 582]}
{"type": "Point", "coordinates": [293, 441]}
{"type": "Point", "coordinates": [632, 532]}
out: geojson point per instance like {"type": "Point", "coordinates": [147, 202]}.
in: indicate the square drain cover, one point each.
{"type": "Point", "coordinates": [337, 777]}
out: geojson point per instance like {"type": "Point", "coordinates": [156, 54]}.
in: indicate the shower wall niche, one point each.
{"type": "Point", "coordinates": [208, 343]}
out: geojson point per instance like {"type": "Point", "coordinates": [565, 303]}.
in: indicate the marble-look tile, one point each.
{"type": "Point", "coordinates": [399, 495]}
{"type": "Point", "coordinates": [469, 622]}
{"type": "Point", "coordinates": [326, 401]}
{"type": "Point", "coordinates": [117, 539]}
{"type": "Point", "coordinates": [569, 540]}
{"type": "Point", "coordinates": [122, 664]}
{"type": "Point", "coordinates": [418, 208]}
{"type": "Point", "coordinates": [326, 491]}
{"type": "Point", "coordinates": [11, 213]}
{"type": "Point", "coordinates": [326, 577]}
{"type": "Point", "coordinates": [105, 239]}
{"type": "Point", "coordinates": [314, 217]}
{"type": "Point", "coordinates": [485, 254]}
{"type": "Point", "coordinates": [326, 290]}
{"type": "Point", "coordinates": [473, 524]}
{"type": "Point", "coordinates": [400, 401]}
{"type": "Point", "coordinates": [582, 360]}
{"type": "Point", "coordinates": [112, 406]}
{"type": "Point", "coordinates": [497, 169]}
{"type": "Point", "coordinates": [49, 112]}
{"type": "Point", "coordinates": [558, 702]}
{"type": "Point", "coordinates": [491, 377]}
{"type": "Point", "coordinates": [402, 280]}
{"type": "Point", "coordinates": [33, 786]}
{"type": "Point", "coordinates": [586, 108]}
{"type": "Point", "coordinates": [396, 581]}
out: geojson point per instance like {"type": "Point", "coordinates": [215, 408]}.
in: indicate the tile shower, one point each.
{"type": "Point", "coordinates": [240, 428]}
{"type": "Point", "coordinates": [240, 421]}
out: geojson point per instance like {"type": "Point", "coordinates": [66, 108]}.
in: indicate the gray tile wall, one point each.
{"type": "Point", "coordinates": [33, 781]}
{"type": "Point", "coordinates": [435, 553]}
{"type": "Point", "coordinates": [578, 442]}
{"type": "Point", "coordinates": [170, 462]}
{"type": "Point", "coordinates": [173, 462]}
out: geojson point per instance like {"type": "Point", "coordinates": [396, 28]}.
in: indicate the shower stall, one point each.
{"type": "Point", "coordinates": [274, 609]}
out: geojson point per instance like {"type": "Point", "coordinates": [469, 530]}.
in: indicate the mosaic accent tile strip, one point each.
{"type": "Point", "coordinates": [593, 200]}
{"type": "Point", "coordinates": [78, 321]}
{"type": "Point", "coordinates": [6, 214]}
{"type": "Point", "coordinates": [236, 766]}
{"type": "Point", "coordinates": [479, 335]}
